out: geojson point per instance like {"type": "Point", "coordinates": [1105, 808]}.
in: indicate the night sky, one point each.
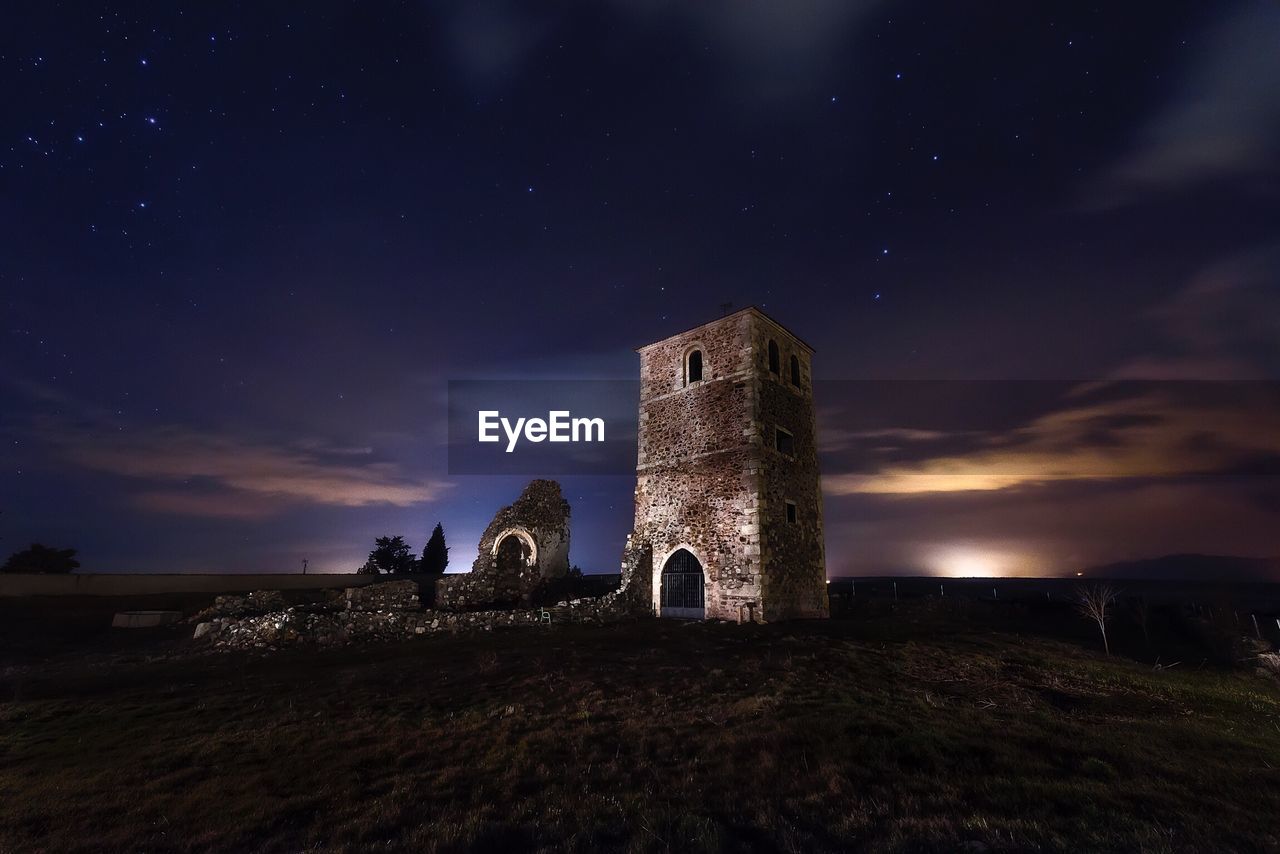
{"type": "Point", "coordinates": [246, 246]}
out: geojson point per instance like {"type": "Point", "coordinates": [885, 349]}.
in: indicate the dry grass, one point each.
{"type": "Point", "coordinates": [883, 733]}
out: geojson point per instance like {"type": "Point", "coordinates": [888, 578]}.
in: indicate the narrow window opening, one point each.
{"type": "Point", "coordinates": [774, 367]}
{"type": "Point", "coordinates": [795, 370]}
{"type": "Point", "coordinates": [791, 512]}
{"type": "Point", "coordinates": [693, 367]}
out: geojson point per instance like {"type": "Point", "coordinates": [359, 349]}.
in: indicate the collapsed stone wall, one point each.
{"type": "Point", "coordinates": [390, 615]}
{"type": "Point", "coordinates": [525, 543]}
{"type": "Point", "coordinates": [257, 602]}
{"type": "Point", "coordinates": [390, 596]}
{"type": "Point", "coordinates": [635, 593]}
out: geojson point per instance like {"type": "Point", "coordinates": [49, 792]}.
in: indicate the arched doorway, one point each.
{"type": "Point", "coordinates": [513, 554]}
{"type": "Point", "coordinates": [682, 587]}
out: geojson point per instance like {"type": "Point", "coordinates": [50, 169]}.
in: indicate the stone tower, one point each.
{"type": "Point", "coordinates": [728, 500]}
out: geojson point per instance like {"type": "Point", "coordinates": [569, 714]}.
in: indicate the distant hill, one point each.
{"type": "Point", "coordinates": [1191, 567]}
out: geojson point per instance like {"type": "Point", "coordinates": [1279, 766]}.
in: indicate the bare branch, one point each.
{"type": "Point", "coordinates": [1094, 603]}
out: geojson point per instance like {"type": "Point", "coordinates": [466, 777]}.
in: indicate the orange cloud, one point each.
{"type": "Point", "coordinates": [1149, 436]}
{"type": "Point", "coordinates": [209, 474]}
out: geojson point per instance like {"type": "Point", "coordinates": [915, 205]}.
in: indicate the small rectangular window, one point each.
{"type": "Point", "coordinates": [784, 442]}
{"type": "Point", "coordinates": [791, 512]}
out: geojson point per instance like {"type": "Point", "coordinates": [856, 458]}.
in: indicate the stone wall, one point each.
{"type": "Point", "coordinates": [694, 483]}
{"type": "Point", "coordinates": [389, 596]}
{"type": "Point", "coordinates": [161, 583]}
{"type": "Point", "coordinates": [793, 553]}
{"type": "Point", "coordinates": [257, 602]}
{"type": "Point", "coordinates": [527, 542]}
{"type": "Point", "coordinates": [392, 615]}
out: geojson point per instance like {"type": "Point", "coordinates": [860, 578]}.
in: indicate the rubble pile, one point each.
{"type": "Point", "coordinates": [373, 614]}
{"type": "Point", "coordinates": [257, 602]}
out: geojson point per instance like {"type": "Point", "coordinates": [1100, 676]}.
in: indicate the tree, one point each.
{"type": "Point", "coordinates": [42, 559]}
{"type": "Point", "coordinates": [1093, 603]}
{"type": "Point", "coordinates": [435, 557]}
{"type": "Point", "coordinates": [390, 554]}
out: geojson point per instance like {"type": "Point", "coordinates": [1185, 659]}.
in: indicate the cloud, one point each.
{"type": "Point", "coordinates": [776, 48]}
{"type": "Point", "coordinates": [1224, 122]}
{"type": "Point", "coordinates": [1046, 532]}
{"type": "Point", "coordinates": [218, 504]}
{"type": "Point", "coordinates": [217, 474]}
{"type": "Point", "coordinates": [835, 438]}
{"type": "Point", "coordinates": [268, 475]}
{"type": "Point", "coordinates": [771, 48]}
{"type": "Point", "coordinates": [1142, 431]}
{"type": "Point", "coordinates": [490, 38]}
{"type": "Point", "coordinates": [1202, 402]}
{"type": "Point", "coordinates": [1224, 325]}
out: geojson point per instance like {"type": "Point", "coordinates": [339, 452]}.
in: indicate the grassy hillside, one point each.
{"type": "Point", "coordinates": [907, 728]}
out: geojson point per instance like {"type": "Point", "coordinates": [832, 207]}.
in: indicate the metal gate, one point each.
{"type": "Point", "coordinates": [682, 585]}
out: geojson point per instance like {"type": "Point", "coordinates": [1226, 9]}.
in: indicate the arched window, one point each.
{"type": "Point", "coordinates": [795, 370]}
{"type": "Point", "coordinates": [693, 367]}
{"type": "Point", "coordinates": [774, 366]}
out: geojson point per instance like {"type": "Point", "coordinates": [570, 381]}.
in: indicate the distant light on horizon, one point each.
{"type": "Point", "coordinates": [962, 561]}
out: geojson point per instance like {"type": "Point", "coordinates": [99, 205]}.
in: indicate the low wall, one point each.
{"type": "Point", "coordinates": [105, 584]}
{"type": "Point", "coordinates": [391, 612]}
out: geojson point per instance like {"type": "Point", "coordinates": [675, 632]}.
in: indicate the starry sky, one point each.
{"type": "Point", "coordinates": [247, 245]}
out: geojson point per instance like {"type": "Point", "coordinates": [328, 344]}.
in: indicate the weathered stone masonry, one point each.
{"type": "Point", "coordinates": [526, 543]}
{"type": "Point", "coordinates": [385, 612]}
{"type": "Point", "coordinates": [711, 480]}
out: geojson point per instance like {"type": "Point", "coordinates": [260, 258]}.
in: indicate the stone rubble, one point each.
{"type": "Point", "coordinates": [375, 614]}
{"type": "Point", "coordinates": [257, 602]}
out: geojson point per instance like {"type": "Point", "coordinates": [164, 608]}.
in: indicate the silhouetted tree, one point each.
{"type": "Point", "coordinates": [1094, 603]}
{"type": "Point", "coordinates": [435, 557]}
{"type": "Point", "coordinates": [390, 554]}
{"type": "Point", "coordinates": [42, 559]}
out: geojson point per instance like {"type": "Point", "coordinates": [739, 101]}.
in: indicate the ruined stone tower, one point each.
{"type": "Point", "coordinates": [728, 501]}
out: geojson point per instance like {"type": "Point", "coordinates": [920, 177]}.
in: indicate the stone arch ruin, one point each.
{"type": "Point", "coordinates": [526, 544]}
